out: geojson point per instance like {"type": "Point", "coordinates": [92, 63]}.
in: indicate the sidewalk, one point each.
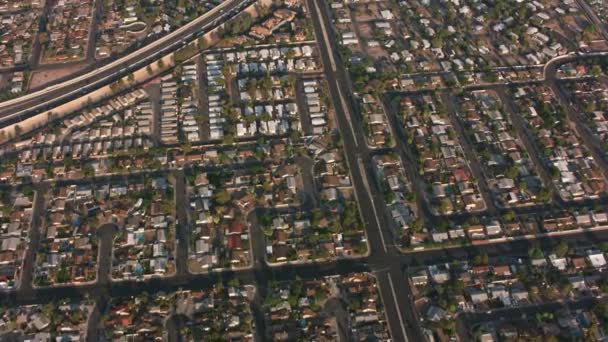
{"type": "Point", "coordinates": [508, 239]}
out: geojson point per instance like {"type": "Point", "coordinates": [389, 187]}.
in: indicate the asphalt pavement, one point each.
{"type": "Point", "coordinates": [181, 226]}
{"type": "Point", "coordinates": [391, 279]}
{"type": "Point", "coordinates": [25, 286]}
{"type": "Point", "coordinates": [105, 235]}
{"type": "Point", "coordinates": [385, 261]}
{"type": "Point", "coordinates": [26, 106]}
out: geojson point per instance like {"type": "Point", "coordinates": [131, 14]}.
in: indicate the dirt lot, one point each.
{"type": "Point", "coordinates": [371, 11]}
{"type": "Point", "coordinates": [366, 12]}
{"type": "Point", "coordinates": [40, 78]}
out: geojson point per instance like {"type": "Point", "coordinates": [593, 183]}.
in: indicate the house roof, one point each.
{"type": "Point", "coordinates": [236, 227]}
{"type": "Point", "coordinates": [234, 242]}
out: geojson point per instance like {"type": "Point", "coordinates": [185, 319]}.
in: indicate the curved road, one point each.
{"type": "Point", "coordinates": [17, 109]}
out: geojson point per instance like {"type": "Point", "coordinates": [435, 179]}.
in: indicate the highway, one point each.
{"type": "Point", "coordinates": [22, 107]}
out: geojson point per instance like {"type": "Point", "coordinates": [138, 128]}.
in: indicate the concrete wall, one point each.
{"type": "Point", "coordinates": [106, 92]}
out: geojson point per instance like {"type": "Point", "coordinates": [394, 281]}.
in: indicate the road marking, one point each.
{"type": "Point", "coordinates": [371, 198]}
{"type": "Point", "coordinates": [333, 68]}
{"type": "Point", "coordinates": [347, 114]}
{"type": "Point", "coordinates": [127, 58]}
{"type": "Point", "coordinates": [325, 36]}
{"type": "Point", "coordinates": [390, 281]}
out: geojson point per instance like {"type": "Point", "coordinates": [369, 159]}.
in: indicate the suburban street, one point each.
{"type": "Point", "coordinates": [523, 313]}
{"type": "Point", "coordinates": [388, 267]}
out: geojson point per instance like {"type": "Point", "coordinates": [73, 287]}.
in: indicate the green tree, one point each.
{"type": "Point", "coordinates": [417, 225]}
{"type": "Point", "coordinates": [561, 249]}
{"type": "Point", "coordinates": [186, 148]}
{"type": "Point", "coordinates": [88, 170]}
{"type": "Point", "coordinates": [544, 195]}
{"type": "Point", "coordinates": [565, 288]}
{"type": "Point", "coordinates": [509, 216]}
{"type": "Point", "coordinates": [481, 259]}
{"type": "Point", "coordinates": [63, 275]}
{"type": "Point", "coordinates": [68, 163]}
{"type": "Point", "coordinates": [222, 197]}
{"type": "Point", "coordinates": [535, 253]}
{"type": "Point", "coordinates": [43, 38]}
